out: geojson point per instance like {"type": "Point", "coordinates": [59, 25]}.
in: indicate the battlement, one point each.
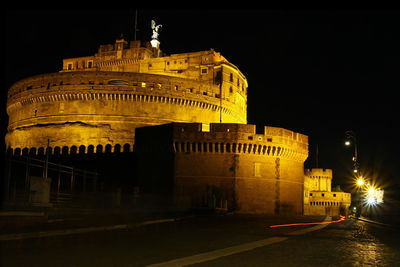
{"type": "Point", "coordinates": [318, 173]}
{"type": "Point", "coordinates": [240, 131]}
{"type": "Point", "coordinates": [239, 138]}
{"type": "Point", "coordinates": [318, 179]}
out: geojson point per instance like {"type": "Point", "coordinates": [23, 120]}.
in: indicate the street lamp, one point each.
{"type": "Point", "coordinates": [351, 138]}
{"type": "Point", "coordinates": [360, 181]}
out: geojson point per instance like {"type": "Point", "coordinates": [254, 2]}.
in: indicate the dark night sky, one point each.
{"type": "Point", "coordinates": [317, 72]}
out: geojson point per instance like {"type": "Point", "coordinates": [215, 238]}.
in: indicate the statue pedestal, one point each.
{"type": "Point", "coordinates": [155, 43]}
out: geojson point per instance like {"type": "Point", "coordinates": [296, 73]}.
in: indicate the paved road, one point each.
{"type": "Point", "coordinates": [231, 240]}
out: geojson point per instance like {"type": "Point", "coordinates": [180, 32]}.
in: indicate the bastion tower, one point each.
{"type": "Point", "coordinates": [99, 100]}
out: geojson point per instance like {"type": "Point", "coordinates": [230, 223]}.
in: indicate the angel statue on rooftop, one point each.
{"type": "Point", "coordinates": [156, 29]}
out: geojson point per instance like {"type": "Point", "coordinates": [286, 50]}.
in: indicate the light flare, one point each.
{"type": "Point", "coordinates": [341, 219]}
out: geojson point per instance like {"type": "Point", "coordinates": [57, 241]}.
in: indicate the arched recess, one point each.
{"type": "Point", "coordinates": [82, 149]}
{"type": "Point", "coordinates": [73, 150]}
{"type": "Point", "coordinates": [64, 150]}
{"type": "Point", "coordinates": [57, 150]}
{"type": "Point", "coordinates": [32, 151]}
{"type": "Point", "coordinates": [40, 151]}
{"type": "Point", "coordinates": [17, 152]}
{"type": "Point", "coordinates": [126, 148]}
{"type": "Point", "coordinates": [9, 151]}
{"type": "Point", "coordinates": [25, 151]}
{"type": "Point", "coordinates": [90, 149]}
{"type": "Point", "coordinates": [117, 148]}
{"type": "Point", "coordinates": [99, 149]}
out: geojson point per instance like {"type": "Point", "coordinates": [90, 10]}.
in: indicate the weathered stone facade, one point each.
{"type": "Point", "coordinates": [98, 101]}
{"type": "Point", "coordinates": [229, 166]}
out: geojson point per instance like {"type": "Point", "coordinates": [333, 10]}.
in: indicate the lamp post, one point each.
{"type": "Point", "coordinates": [351, 138]}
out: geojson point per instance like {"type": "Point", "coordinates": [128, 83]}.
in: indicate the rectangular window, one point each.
{"type": "Point", "coordinates": [257, 169]}
{"type": "Point", "coordinates": [69, 66]}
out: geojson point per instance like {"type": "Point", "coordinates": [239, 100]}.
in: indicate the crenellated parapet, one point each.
{"type": "Point", "coordinates": [240, 139]}
{"type": "Point", "coordinates": [227, 163]}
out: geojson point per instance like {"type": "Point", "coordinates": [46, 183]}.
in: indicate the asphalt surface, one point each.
{"type": "Point", "coordinates": [218, 240]}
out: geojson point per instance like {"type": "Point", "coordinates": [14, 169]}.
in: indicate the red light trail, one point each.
{"type": "Point", "coordinates": [342, 218]}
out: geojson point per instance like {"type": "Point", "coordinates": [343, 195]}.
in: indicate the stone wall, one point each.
{"type": "Point", "coordinates": [104, 108]}
{"type": "Point", "coordinates": [232, 167]}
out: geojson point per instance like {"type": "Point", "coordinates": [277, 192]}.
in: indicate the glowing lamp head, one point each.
{"type": "Point", "coordinates": [360, 182]}
{"type": "Point", "coordinates": [371, 200]}
{"type": "Point", "coordinates": [371, 191]}
{"type": "Point", "coordinates": [347, 143]}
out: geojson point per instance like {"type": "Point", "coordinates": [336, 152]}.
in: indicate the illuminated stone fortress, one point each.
{"type": "Point", "coordinates": [214, 158]}
{"type": "Point", "coordinates": [99, 100]}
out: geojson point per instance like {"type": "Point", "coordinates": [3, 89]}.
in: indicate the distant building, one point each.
{"type": "Point", "coordinates": [318, 197]}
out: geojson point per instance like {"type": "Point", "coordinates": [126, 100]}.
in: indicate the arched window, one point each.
{"type": "Point", "coordinates": [188, 147]}
{"type": "Point", "coordinates": [194, 147]}
{"type": "Point", "coordinates": [228, 147]}
{"type": "Point", "coordinates": [82, 149]}
{"type": "Point", "coordinates": [117, 148]}
{"type": "Point", "coordinates": [57, 150]}
{"type": "Point", "coordinates": [108, 148]}
{"type": "Point", "coordinates": [73, 150]}
{"type": "Point", "coordinates": [216, 147]}
{"type": "Point", "coordinates": [90, 149]}
{"type": "Point", "coordinates": [32, 151]}
{"type": "Point", "coordinates": [17, 152]}
{"type": "Point", "coordinates": [182, 147]}
{"type": "Point", "coordinates": [126, 148]}
{"type": "Point", "coordinates": [99, 149]}
{"type": "Point", "coordinates": [64, 150]}
{"type": "Point", "coordinates": [41, 151]}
